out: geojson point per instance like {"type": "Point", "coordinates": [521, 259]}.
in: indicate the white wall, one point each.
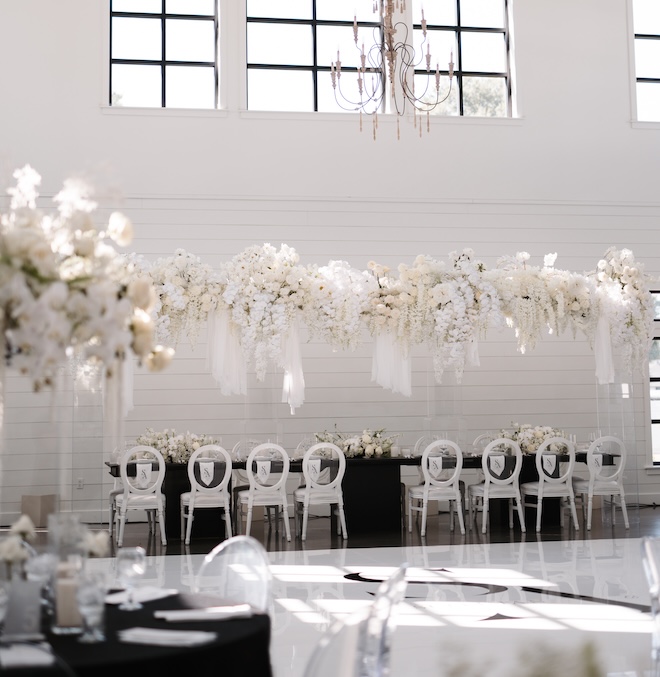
{"type": "Point", "coordinates": [572, 174]}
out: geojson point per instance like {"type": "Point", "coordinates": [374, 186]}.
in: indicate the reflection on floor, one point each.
{"type": "Point", "coordinates": [503, 603]}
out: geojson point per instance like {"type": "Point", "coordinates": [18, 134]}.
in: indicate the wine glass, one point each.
{"type": "Point", "coordinates": [131, 565]}
{"type": "Point", "coordinates": [90, 596]}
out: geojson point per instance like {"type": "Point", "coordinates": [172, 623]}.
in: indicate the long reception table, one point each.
{"type": "Point", "coordinates": [373, 494]}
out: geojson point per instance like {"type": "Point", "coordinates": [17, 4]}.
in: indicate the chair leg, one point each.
{"type": "Point", "coordinates": [248, 521]}
{"type": "Point", "coordinates": [484, 510]}
{"type": "Point", "coordinates": [624, 510]}
{"type": "Point", "coordinates": [539, 510]}
{"type": "Point", "coordinates": [182, 511]}
{"type": "Point", "coordinates": [589, 510]}
{"type": "Point", "coordinates": [285, 514]}
{"type": "Point", "coordinates": [410, 512]}
{"type": "Point", "coordinates": [521, 514]}
{"type": "Point", "coordinates": [461, 521]}
{"type": "Point", "coordinates": [120, 535]}
{"type": "Point", "coordinates": [161, 522]}
{"type": "Point", "coordinates": [303, 533]}
{"type": "Point", "coordinates": [425, 510]}
{"type": "Point", "coordinates": [342, 519]}
{"type": "Point", "coordinates": [189, 523]}
{"type": "Point", "coordinates": [571, 502]}
{"type": "Point", "coordinates": [228, 533]}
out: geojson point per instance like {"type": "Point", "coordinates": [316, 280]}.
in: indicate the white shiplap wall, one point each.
{"type": "Point", "coordinates": [573, 174]}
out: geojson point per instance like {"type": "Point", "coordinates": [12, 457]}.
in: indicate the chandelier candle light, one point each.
{"type": "Point", "coordinates": [392, 64]}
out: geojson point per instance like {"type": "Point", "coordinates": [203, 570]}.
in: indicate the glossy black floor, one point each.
{"type": "Point", "coordinates": [644, 520]}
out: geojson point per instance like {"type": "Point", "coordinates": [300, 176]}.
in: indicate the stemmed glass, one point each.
{"type": "Point", "coordinates": [131, 565]}
{"type": "Point", "coordinates": [90, 596]}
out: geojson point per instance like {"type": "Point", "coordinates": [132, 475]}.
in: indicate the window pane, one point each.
{"type": "Point", "coordinates": [484, 97]}
{"type": "Point", "coordinates": [647, 58]}
{"type": "Point", "coordinates": [442, 45]}
{"type": "Point", "coordinates": [654, 361]}
{"type": "Point", "coordinates": [326, 94]}
{"type": "Point", "coordinates": [440, 12]}
{"type": "Point", "coordinates": [150, 6]}
{"type": "Point", "coordinates": [280, 9]}
{"type": "Point", "coordinates": [198, 7]}
{"type": "Point", "coordinates": [482, 13]}
{"type": "Point", "coordinates": [484, 52]}
{"type": "Point", "coordinates": [656, 305]}
{"type": "Point", "coordinates": [189, 87]}
{"type": "Point", "coordinates": [331, 39]}
{"type": "Point", "coordinates": [655, 442]}
{"type": "Point", "coordinates": [280, 90]}
{"type": "Point", "coordinates": [138, 86]}
{"type": "Point", "coordinates": [426, 91]}
{"type": "Point", "coordinates": [655, 401]}
{"type": "Point", "coordinates": [646, 16]}
{"type": "Point", "coordinates": [279, 44]}
{"type": "Point", "coordinates": [189, 40]}
{"type": "Point", "coordinates": [648, 101]}
{"type": "Point", "coordinates": [447, 107]}
{"type": "Point", "coordinates": [136, 38]}
{"type": "Point", "coordinates": [346, 10]}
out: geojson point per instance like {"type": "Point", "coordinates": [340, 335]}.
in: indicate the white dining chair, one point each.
{"type": "Point", "coordinates": [142, 488]}
{"type": "Point", "coordinates": [501, 463]}
{"type": "Point", "coordinates": [323, 468]}
{"type": "Point", "coordinates": [267, 470]}
{"type": "Point", "coordinates": [604, 479]}
{"type": "Point", "coordinates": [555, 478]}
{"type": "Point", "coordinates": [442, 463]}
{"type": "Point", "coordinates": [209, 472]}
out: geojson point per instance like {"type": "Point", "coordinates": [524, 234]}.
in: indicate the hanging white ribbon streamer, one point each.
{"type": "Point", "coordinates": [224, 355]}
{"type": "Point", "coordinates": [473, 353]}
{"type": "Point", "coordinates": [391, 366]}
{"type": "Point", "coordinates": [293, 384]}
{"type": "Point", "coordinates": [603, 352]}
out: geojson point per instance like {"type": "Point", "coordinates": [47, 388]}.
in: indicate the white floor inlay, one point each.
{"type": "Point", "coordinates": [487, 610]}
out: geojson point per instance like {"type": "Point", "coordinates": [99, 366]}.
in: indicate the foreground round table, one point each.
{"type": "Point", "coordinates": [242, 647]}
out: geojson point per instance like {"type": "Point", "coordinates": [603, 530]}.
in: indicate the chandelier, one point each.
{"type": "Point", "coordinates": [389, 66]}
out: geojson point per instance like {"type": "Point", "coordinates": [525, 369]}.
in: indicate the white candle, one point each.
{"type": "Point", "coordinates": [65, 603]}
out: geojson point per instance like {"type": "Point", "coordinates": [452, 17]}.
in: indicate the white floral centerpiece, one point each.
{"type": "Point", "coordinates": [368, 444]}
{"type": "Point", "coordinates": [525, 299]}
{"type": "Point", "coordinates": [188, 291]}
{"type": "Point", "coordinates": [264, 290]}
{"type": "Point", "coordinates": [530, 438]}
{"type": "Point", "coordinates": [175, 447]}
{"type": "Point", "coordinates": [625, 300]}
{"type": "Point", "coordinates": [63, 286]}
{"type": "Point", "coordinates": [337, 297]}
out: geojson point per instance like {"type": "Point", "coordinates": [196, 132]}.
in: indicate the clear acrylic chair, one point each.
{"type": "Point", "coordinates": [651, 564]}
{"type": "Point", "coordinates": [604, 480]}
{"type": "Point", "coordinates": [142, 487]}
{"type": "Point", "coordinates": [442, 462]}
{"type": "Point", "coordinates": [267, 470]}
{"type": "Point", "coordinates": [360, 645]}
{"type": "Point", "coordinates": [237, 571]}
{"type": "Point", "coordinates": [501, 463]}
{"type": "Point", "coordinates": [323, 469]}
{"type": "Point", "coordinates": [555, 478]}
{"type": "Point", "coordinates": [209, 472]}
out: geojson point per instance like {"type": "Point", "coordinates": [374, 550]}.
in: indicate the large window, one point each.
{"type": "Point", "coordinates": [163, 53]}
{"type": "Point", "coordinates": [646, 22]}
{"type": "Point", "coordinates": [654, 374]}
{"type": "Point", "coordinates": [291, 45]}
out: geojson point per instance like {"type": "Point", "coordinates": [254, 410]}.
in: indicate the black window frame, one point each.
{"type": "Point", "coordinates": [654, 379]}
{"type": "Point", "coordinates": [458, 73]}
{"type": "Point", "coordinates": [163, 62]}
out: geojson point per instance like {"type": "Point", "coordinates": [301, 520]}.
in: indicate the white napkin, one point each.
{"type": "Point", "coordinates": [159, 637]}
{"type": "Point", "coordinates": [213, 613]}
{"type": "Point", "coordinates": [19, 655]}
{"type": "Point", "coordinates": [146, 593]}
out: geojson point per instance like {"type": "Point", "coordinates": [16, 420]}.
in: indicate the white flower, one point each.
{"type": "Point", "coordinates": [24, 527]}
{"type": "Point", "coordinates": [120, 229]}
{"type": "Point", "coordinates": [175, 448]}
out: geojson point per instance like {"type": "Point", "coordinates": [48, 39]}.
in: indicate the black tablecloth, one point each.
{"type": "Point", "coordinates": [242, 647]}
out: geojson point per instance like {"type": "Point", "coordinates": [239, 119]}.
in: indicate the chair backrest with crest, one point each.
{"type": "Point", "coordinates": [442, 462]}
{"type": "Point", "coordinates": [552, 465]}
{"type": "Point", "coordinates": [209, 469]}
{"type": "Point", "coordinates": [501, 462]}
